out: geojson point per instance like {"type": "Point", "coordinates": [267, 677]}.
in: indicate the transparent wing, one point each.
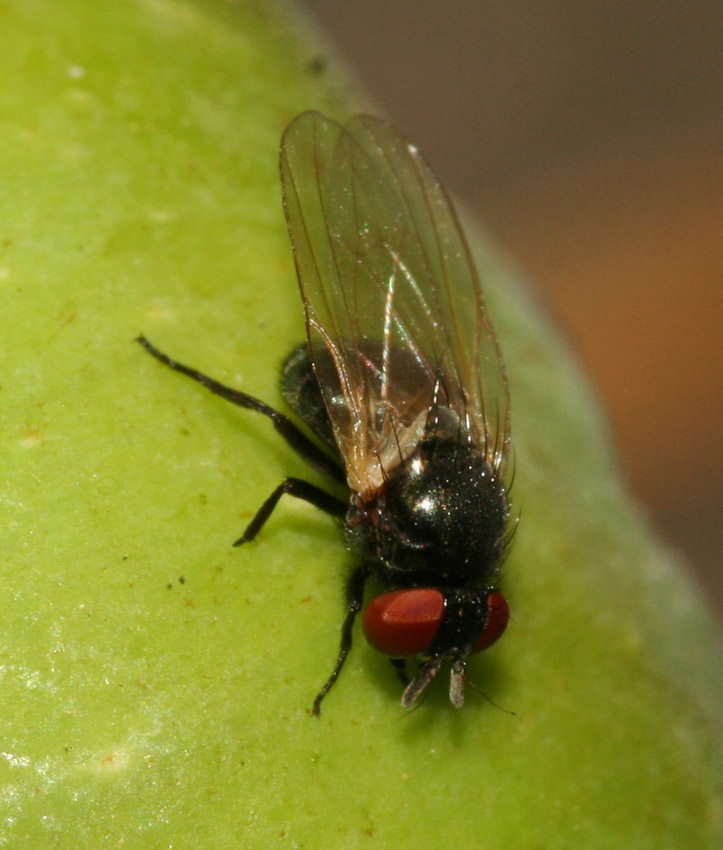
{"type": "Point", "coordinates": [395, 315]}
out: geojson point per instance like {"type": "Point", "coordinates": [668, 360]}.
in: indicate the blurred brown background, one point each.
{"type": "Point", "coordinates": [587, 137]}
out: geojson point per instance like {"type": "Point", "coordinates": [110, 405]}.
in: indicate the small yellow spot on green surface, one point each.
{"type": "Point", "coordinates": [31, 438]}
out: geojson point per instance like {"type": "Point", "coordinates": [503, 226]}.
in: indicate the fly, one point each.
{"type": "Point", "coordinates": [401, 382]}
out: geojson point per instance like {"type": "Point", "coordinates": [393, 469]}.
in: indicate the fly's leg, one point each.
{"type": "Point", "coordinates": [293, 486]}
{"type": "Point", "coordinates": [301, 490]}
{"type": "Point", "coordinates": [298, 441]}
{"type": "Point", "coordinates": [354, 600]}
{"type": "Point", "coordinates": [400, 665]}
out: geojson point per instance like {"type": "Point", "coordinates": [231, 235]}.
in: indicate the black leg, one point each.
{"type": "Point", "coordinates": [400, 665]}
{"type": "Point", "coordinates": [298, 441]}
{"type": "Point", "coordinates": [301, 490]}
{"type": "Point", "coordinates": [354, 600]}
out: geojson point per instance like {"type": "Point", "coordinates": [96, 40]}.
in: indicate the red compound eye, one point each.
{"type": "Point", "coordinates": [404, 622]}
{"type": "Point", "coordinates": [498, 615]}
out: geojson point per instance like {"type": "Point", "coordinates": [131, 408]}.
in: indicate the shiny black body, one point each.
{"type": "Point", "coordinates": [439, 519]}
{"type": "Point", "coordinates": [441, 515]}
{"type": "Point", "coordinates": [403, 386]}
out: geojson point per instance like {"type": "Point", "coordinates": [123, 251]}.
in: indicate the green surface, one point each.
{"type": "Point", "coordinates": [139, 193]}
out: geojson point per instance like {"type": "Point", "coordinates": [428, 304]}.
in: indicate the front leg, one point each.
{"type": "Point", "coordinates": [400, 665]}
{"type": "Point", "coordinates": [354, 601]}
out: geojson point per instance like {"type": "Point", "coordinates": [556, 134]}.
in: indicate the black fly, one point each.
{"type": "Point", "coordinates": [402, 383]}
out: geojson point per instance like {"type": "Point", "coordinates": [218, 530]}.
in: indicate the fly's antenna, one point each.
{"type": "Point", "coordinates": [491, 701]}
{"type": "Point", "coordinates": [425, 675]}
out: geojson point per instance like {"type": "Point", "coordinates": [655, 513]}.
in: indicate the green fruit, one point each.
{"type": "Point", "coordinates": [140, 194]}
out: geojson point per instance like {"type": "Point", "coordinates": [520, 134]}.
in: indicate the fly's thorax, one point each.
{"type": "Point", "coordinates": [438, 518]}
